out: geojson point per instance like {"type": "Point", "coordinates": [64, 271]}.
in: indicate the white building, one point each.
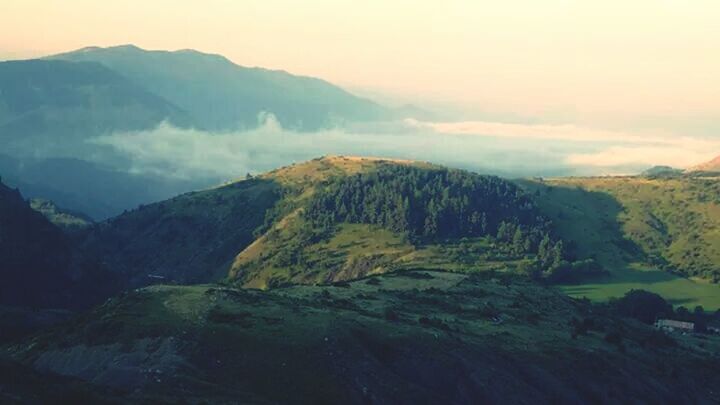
{"type": "Point", "coordinates": [672, 325]}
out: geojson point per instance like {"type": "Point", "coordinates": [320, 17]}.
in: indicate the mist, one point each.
{"type": "Point", "coordinates": [510, 150]}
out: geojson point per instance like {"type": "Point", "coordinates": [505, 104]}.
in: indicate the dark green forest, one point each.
{"type": "Point", "coordinates": [431, 205]}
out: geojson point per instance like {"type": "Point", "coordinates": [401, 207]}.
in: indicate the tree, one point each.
{"type": "Point", "coordinates": [518, 241]}
{"type": "Point", "coordinates": [643, 306]}
{"type": "Point", "coordinates": [557, 254]}
{"type": "Point", "coordinates": [544, 250]}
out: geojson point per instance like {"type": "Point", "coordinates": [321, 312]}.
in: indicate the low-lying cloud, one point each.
{"type": "Point", "coordinates": [505, 149]}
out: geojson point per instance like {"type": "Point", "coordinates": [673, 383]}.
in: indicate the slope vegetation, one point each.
{"type": "Point", "coordinates": [344, 218]}
{"type": "Point", "coordinates": [335, 219]}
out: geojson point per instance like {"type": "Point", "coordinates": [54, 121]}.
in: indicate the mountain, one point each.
{"type": "Point", "coordinates": [220, 95]}
{"type": "Point", "coordinates": [52, 106]}
{"type": "Point", "coordinates": [98, 191]}
{"type": "Point", "coordinates": [52, 111]}
{"type": "Point", "coordinates": [415, 337]}
{"type": "Point", "coordinates": [39, 266]}
{"type": "Point", "coordinates": [710, 166]}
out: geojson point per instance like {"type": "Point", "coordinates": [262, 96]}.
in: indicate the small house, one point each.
{"type": "Point", "coordinates": [671, 325]}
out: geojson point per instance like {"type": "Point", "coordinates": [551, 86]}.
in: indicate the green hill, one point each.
{"type": "Point", "coordinates": [220, 95]}
{"type": "Point", "coordinates": [348, 217]}
{"type": "Point", "coordinates": [334, 219]}
{"type": "Point", "coordinates": [650, 233]}
{"type": "Point", "coordinates": [411, 337]}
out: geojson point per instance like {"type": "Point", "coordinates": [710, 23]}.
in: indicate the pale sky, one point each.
{"type": "Point", "coordinates": [607, 62]}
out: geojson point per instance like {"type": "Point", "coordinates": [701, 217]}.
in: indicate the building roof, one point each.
{"type": "Point", "coordinates": [671, 323]}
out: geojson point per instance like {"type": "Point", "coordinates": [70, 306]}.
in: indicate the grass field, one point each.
{"type": "Point", "coordinates": [358, 250]}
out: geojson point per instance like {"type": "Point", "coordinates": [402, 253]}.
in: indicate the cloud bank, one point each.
{"type": "Point", "coordinates": [488, 147]}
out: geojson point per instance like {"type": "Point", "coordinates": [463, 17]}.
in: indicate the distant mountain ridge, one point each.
{"type": "Point", "coordinates": [709, 166]}
{"type": "Point", "coordinates": [52, 106]}
{"type": "Point", "coordinates": [220, 95]}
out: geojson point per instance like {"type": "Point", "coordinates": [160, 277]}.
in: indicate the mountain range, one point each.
{"type": "Point", "coordinates": [219, 95]}
{"type": "Point", "coordinates": [341, 279]}
{"type": "Point", "coordinates": [53, 109]}
{"type": "Point", "coordinates": [354, 279]}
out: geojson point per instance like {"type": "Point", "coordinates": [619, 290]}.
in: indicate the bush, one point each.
{"type": "Point", "coordinates": [643, 306]}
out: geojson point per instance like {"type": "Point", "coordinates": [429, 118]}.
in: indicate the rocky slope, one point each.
{"type": "Point", "coordinates": [411, 337]}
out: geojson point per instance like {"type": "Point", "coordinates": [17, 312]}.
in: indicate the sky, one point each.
{"type": "Point", "coordinates": [608, 60]}
{"type": "Point", "coordinates": [647, 68]}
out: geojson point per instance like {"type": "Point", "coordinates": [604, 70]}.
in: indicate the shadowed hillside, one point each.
{"type": "Point", "coordinates": [187, 239]}
{"type": "Point", "coordinates": [408, 338]}
{"type": "Point", "coordinates": [39, 266]}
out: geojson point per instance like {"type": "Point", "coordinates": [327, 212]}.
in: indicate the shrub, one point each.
{"type": "Point", "coordinates": [643, 306]}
